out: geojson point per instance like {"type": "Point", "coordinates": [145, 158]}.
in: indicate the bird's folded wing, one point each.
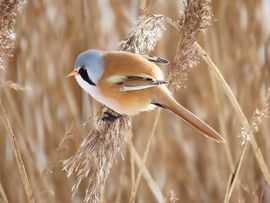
{"type": "Point", "coordinates": [156, 59]}
{"type": "Point", "coordinates": [131, 83]}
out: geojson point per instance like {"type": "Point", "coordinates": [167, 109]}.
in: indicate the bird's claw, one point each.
{"type": "Point", "coordinates": [109, 117]}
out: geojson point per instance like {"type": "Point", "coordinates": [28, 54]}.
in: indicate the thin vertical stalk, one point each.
{"type": "Point", "coordinates": [2, 192]}
{"type": "Point", "coordinates": [145, 155]}
{"type": "Point", "coordinates": [18, 155]}
{"type": "Point", "coordinates": [258, 154]}
{"type": "Point", "coordinates": [147, 176]}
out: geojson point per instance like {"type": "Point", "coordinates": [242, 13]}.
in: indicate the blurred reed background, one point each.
{"type": "Point", "coordinates": [46, 111]}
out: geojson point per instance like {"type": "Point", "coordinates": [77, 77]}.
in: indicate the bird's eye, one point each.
{"type": "Point", "coordinates": [84, 68]}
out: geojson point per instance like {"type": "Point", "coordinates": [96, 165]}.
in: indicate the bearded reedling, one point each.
{"type": "Point", "coordinates": [129, 84]}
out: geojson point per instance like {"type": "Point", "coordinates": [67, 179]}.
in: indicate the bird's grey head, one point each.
{"type": "Point", "coordinates": [89, 65]}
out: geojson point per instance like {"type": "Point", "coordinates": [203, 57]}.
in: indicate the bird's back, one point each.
{"type": "Point", "coordinates": [129, 64]}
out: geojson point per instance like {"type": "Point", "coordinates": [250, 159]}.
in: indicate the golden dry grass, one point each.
{"type": "Point", "coordinates": [45, 116]}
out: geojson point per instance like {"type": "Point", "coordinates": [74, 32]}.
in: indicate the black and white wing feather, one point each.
{"type": "Point", "coordinates": [156, 59]}
{"type": "Point", "coordinates": [131, 83]}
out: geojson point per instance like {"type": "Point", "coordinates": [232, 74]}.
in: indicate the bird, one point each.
{"type": "Point", "coordinates": [129, 83]}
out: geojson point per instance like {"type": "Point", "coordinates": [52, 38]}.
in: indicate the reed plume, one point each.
{"type": "Point", "coordinates": [196, 17]}
{"type": "Point", "coordinates": [9, 11]}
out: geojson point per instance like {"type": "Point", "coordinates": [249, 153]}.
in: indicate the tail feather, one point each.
{"type": "Point", "coordinates": [170, 103]}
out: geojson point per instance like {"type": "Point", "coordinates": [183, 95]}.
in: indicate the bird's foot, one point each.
{"type": "Point", "coordinates": [109, 117]}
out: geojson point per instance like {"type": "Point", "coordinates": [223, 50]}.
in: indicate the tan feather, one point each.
{"type": "Point", "coordinates": [131, 71]}
{"type": "Point", "coordinates": [167, 101]}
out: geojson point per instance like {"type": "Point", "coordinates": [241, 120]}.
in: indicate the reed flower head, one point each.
{"type": "Point", "coordinates": [143, 37]}
{"type": "Point", "coordinates": [197, 16]}
{"type": "Point", "coordinates": [8, 14]}
{"type": "Point", "coordinates": [257, 119]}
{"type": "Point", "coordinates": [96, 154]}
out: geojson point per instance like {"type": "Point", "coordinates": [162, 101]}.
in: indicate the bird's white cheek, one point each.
{"type": "Point", "coordinates": [90, 89]}
{"type": "Point", "coordinates": [96, 94]}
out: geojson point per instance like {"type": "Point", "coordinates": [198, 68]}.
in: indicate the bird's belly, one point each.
{"type": "Point", "coordinates": [109, 102]}
{"type": "Point", "coordinates": [127, 104]}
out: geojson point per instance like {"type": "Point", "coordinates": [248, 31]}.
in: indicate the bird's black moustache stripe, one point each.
{"type": "Point", "coordinates": [83, 73]}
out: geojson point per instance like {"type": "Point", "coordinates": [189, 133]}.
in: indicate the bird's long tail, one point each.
{"type": "Point", "coordinates": [167, 101]}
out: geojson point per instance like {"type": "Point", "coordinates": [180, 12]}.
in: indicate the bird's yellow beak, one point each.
{"type": "Point", "coordinates": [73, 73]}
